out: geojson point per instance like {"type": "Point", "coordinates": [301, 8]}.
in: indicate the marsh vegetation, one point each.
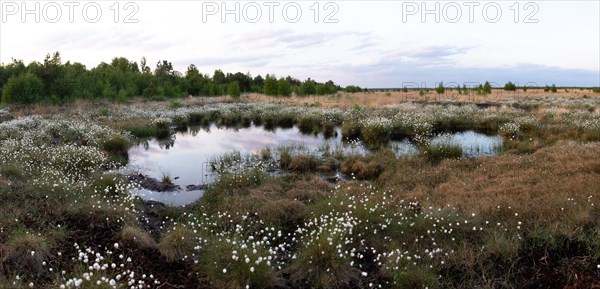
{"type": "Point", "coordinates": [308, 213]}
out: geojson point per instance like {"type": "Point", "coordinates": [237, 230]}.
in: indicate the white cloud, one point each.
{"type": "Point", "coordinates": [370, 45]}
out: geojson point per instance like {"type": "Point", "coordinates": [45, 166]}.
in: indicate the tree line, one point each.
{"type": "Point", "coordinates": [486, 88]}
{"type": "Point", "coordinates": [56, 82]}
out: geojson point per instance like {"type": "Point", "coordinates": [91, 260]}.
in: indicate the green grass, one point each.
{"type": "Point", "coordinates": [177, 244]}
{"type": "Point", "coordinates": [117, 147]}
{"type": "Point", "coordinates": [351, 130]}
{"type": "Point", "coordinates": [25, 254]}
{"type": "Point", "coordinates": [308, 123]}
{"type": "Point", "coordinates": [225, 272]}
{"type": "Point", "coordinates": [415, 278]}
{"type": "Point", "coordinates": [507, 221]}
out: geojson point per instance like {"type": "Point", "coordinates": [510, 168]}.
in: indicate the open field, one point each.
{"type": "Point", "coordinates": [379, 98]}
{"type": "Point", "coordinates": [526, 217]}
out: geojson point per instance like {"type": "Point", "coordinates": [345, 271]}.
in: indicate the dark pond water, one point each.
{"type": "Point", "coordinates": [186, 158]}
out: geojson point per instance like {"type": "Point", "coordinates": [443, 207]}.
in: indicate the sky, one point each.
{"type": "Point", "coordinates": [373, 44]}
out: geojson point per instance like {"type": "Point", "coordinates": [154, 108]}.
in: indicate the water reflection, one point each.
{"type": "Point", "coordinates": [185, 158]}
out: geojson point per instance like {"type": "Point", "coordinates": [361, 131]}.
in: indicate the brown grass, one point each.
{"type": "Point", "coordinates": [537, 185]}
{"type": "Point", "coordinates": [137, 237]}
{"type": "Point", "coordinates": [302, 163]}
{"type": "Point", "coordinates": [361, 169]}
{"type": "Point", "coordinates": [374, 99]}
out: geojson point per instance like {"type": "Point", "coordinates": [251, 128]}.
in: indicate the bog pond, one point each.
{"type": "Point", "coordinates": [187, 156]}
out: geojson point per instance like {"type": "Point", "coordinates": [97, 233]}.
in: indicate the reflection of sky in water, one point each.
{"type": "Point", "coordinates": [404, 147]}
{"type": "Point", "coordinates": [186, 159]}
{"type": "Point", "coordinates": [178, 198]}
{"type": "Point", "coordinates": [472, 143]}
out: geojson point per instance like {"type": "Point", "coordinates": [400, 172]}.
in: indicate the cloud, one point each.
{"type": "Point", "coordinates": [289, 38]}
{"type": "Point", "coordinates": [98, 40]}
{"type": "Point", "coordinates": [249, 61]}
{"type": "Point", "coordinates": [393, 74]}
{"type": "Point", "coordinates": [434, 52]}
{"type": "Point", "coordinates": [426, 56]}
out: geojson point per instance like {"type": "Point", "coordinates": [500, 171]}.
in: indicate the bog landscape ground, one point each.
{"type": "Point", "coordinates": [287, 216]}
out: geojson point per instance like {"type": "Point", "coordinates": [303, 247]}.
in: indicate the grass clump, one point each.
{"type": "Point", "coordinates": [175, 104]}
{"type": "Point", "coordinates": [162, 127]}
{"type": "Point", "coordinates": [307, 123]}
{"type": "Point", "coordinates": [285, 119]}
{"type": "Point", "coordinates": [301, 163]}
{"type": "Point", "coordinates": [328, 129]}
{"type": "Point", "coordinates": [116, 146]}
{"type": "Point", "coordinates": [231, 266]}
{"type": "Point", "coordinates": [232, 184]}
{"type": "Point", "coordinates": [320, 265]}
{"type": "Point", "coordinates": [181, 122]}
{"type": "Point", "coordinates": [351, 130]}
{"type": "Point", "coordinates": [141, 128]}
{"type": "Point", "coordinates": [266, 153]}
{"type": "Point", "coordinates": [11, 170]}
{"type": "Point", "coordinates": [285, 158]}
{"type": "Point", "coordinates": [444, 150]}
{"type": "Point", "coordinates": [376, 133]}
{"type": "Point", "coordinates": [417, 278]}
{"type": "Point", "coordinates": [177, 244]}
{"type": "Point", "coordinates": [361, 169]}
{"type": "Point", "coordinates": [104, 112]}
{"type": "Point", "coordinates": [111, 185]}
{"type": "Point", "coordinates": [26, 253]}
{"type": "Point", "coordinates": [137, 237]}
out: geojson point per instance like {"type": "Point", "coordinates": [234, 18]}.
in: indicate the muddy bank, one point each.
{"type": "Point", "coordinates": [152, 184]}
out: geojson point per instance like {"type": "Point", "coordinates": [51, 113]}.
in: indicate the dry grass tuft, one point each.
{"type": "Point", "coordinates": [303, 164]}
{"type": "Point", "coordinates": [362, 170]}
{"type": "Point", "coordinates": [177, 244]}
{"type": "Point", "coordinates": [137, 237]}
{"type": "Point", "coordinates": [25, 253]}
